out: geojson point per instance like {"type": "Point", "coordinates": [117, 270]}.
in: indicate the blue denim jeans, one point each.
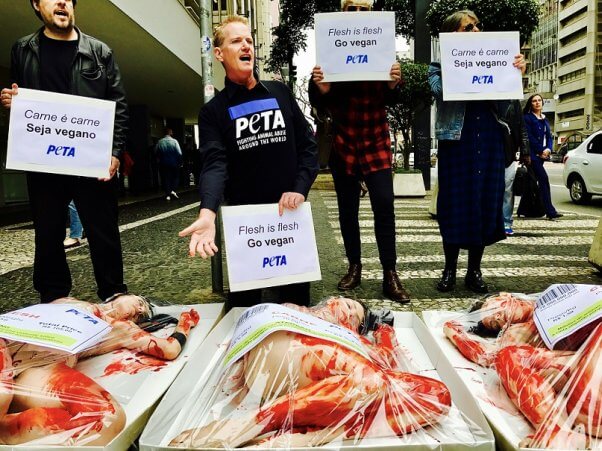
{"type": "Point", "coordinates": [75, 225]}
{"type": "Point", "coordinates": [508, 205]}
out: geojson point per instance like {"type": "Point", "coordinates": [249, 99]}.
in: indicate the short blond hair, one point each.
{"type": "Point", "coordinates": [218, 31]}
{"type": "Point", "coordinates": [366, 3]}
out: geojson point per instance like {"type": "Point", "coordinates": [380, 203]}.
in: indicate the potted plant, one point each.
{"type": "Point", "coordinates": [415, 94]}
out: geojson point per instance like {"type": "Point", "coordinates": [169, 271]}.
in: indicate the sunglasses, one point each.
{"type": "Point", "coordinates": [471, 26]}
{"type": "Point", "coordinates": [356, 8]}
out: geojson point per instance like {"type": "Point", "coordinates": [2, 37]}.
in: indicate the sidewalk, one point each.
{"type": "Point", "coordinates": [156, 263]}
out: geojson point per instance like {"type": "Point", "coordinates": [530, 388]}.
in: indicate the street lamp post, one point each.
{"type": "Point", "coordinates": [422, 121]}
{"type": "Point", "coordinates": [217, 273]}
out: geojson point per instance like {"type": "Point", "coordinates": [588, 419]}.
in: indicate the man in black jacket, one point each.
{"type": "Point", "coordinates": [60, 58]}
{"type": "Point", "coordinates": [257, 148]}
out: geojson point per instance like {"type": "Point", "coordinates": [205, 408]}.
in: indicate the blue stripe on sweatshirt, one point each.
{"type": "Point", "coordinates": [255, 106]}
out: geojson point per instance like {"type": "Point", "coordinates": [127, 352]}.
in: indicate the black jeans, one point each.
{"type": "Point", "coordinates": [96, 203]}
{"type": "Point", "coordinates": [170, 176]}
{"type": "Point", "coordinates": [296, 293]}
{"type": "Point", "coordinates": [380, 190]}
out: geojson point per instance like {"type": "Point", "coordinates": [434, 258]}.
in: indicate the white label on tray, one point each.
{"type": "Point", "coordinates": [259, 321]}
{"type": "Point", "coordinates": [565, 308]}
{"type": "Point", "coordinates": [57, 326]}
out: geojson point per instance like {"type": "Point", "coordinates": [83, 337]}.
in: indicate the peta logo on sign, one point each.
{"type": "Point", "coordinates": [92, 319]}
{"type": "Point", "coordinates": [357, 59]}
{"type": "Point", "coordinates": [61, 151]}
{"type": "Point", "coordinates": [482, 79]}
{"type": "Point", "coordinates": [276, 260]}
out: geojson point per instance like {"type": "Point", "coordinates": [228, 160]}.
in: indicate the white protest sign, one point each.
{"type": "Point", "coordinates": [355, 45]}
{"type": "Point", "coordinates": [478, 66]}
{"type": "Point", "coordinates": [565, 308]}
{"type": "Point", "coordinates": [56, 326]}
{"type": "Point", "coordinates": [259, 321]}
{"type": "Point", "coordinates": [60, 134]}
{"type": "Point", "coordinates": [264, 249]}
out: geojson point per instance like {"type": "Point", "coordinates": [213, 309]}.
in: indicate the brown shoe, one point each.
{"type": "Point", "coordinates": [393, 289]}
{"type": "Point", "coordinates": [353, 277]}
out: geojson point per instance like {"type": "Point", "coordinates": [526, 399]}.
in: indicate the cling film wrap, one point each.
{"type": "Point", "coordinates": [50, 397]}
{"type": "Point", "coordinates": [557, 392]}
{"type": "Point", "coordinates": [298, 389]}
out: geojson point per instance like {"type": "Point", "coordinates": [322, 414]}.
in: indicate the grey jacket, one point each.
{"type": "Point", "coordinates": [94, 74]}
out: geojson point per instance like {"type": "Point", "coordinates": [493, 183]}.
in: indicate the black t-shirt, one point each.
{"type": "Point", "coordinates": [56, 58]}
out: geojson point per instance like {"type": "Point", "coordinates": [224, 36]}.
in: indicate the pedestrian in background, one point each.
{"type": "Point", "coordinates": [471, 166]}
{"type": "Point", "coordinates": [169, 156]}
{"type": "Point", "coordinates": [60, 58]}
{"type": "Point", "coordinates": [516, 146]}
{"type": "Point", "coordinates": [362, 152]}
{"type": "Point", "coordinates": [541, 142]}
{"type": "Point", "coordinates": [272, 171]}
{"type": "Point", "coordinates": [75, 228]}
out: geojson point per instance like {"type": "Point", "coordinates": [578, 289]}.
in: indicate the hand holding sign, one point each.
{"type": "Point", "coordinates": [7, 95]}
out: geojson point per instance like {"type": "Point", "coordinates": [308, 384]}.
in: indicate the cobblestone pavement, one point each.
{"type": "Point", "coordinates": [156, 263]}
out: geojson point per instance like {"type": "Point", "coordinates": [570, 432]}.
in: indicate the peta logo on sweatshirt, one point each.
{"type": "Point", "coordinates": [258, 122]}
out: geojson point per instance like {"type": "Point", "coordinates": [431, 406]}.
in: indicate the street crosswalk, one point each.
{"type": "Point", "coordinates": [540, 253]}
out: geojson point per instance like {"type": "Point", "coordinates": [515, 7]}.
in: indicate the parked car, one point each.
{"type": "Point", "coordinates": [583, 169]}
{"type": "Point", "coordinates": [571, 142]}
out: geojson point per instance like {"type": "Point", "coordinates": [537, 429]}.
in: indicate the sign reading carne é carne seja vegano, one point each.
{"type": "Point", "coordinates": [478, 66]}
{"type": "Point", "coordinates": [60, 134]}
{"type": "Point", "coordinates": [264, 249]}
{"type": "Point", "coordinates": [355, 45]}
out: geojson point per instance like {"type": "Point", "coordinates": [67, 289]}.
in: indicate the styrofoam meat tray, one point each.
{"type": "Point", "coordinates": [465, 428]}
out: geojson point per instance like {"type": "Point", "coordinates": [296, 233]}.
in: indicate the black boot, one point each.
{"type": "Point", "coordinates": [447, 281]}
{"type": "Point", "coordinates": [474, 281]}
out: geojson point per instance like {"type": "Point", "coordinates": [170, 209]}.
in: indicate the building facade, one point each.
{"type": "Point", "coordinates": [579, 86]}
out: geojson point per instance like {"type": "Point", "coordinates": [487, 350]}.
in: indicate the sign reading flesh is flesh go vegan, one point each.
{"type": "Point", "coordinates": [60, 134]}
{"type": "Point", "coordinates": [355, 45]}
{"type": "Point", "coordinates": [264, 249]}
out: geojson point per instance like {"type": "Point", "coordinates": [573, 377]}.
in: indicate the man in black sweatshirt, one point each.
{"type": "Point", "coordinates": [257, 148]}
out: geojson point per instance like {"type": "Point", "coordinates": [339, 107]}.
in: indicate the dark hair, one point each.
{"type": "Point", "coordinates": [452, 22]}
{"type": "Point", "coordinates": [38, 2]}
{"type": "Point", "coordinates": [527, 108]}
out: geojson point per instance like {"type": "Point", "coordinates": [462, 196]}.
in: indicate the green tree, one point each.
{"type": "Point", "coordinates": [415, 95]}
{"type": "Point", "coordinates": [297, 16]}
{"type": "Point", "coordinates": [496, 15]}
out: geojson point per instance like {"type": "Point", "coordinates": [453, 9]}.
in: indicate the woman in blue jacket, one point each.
{"type": "Point", "coordinates": [471, 169]}
{"type": "Point", "coordinates": [540, 142]}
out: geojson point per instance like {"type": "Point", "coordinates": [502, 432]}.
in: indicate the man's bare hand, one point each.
{"type": "Point", "coordinates": [202, 235]}
{"type": "Point", "coordinates": [317, 76]}
{"type": "Point", "coordinates": [520, 63]}
{"type": "Point", "coordinates": [395, 75]}
{"type": "Point", "coordinates": [6, 97]}
{"type": "Point", "coordinates": [290, 201]}
{"type": "Point", "coordinates": [112, 169]}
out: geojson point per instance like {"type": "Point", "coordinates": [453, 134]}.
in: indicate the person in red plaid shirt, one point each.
{"type": "Point", "coordinates": [361, 150]}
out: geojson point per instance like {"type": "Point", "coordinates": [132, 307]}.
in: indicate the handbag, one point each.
{"type": "Point", "coordinates": [520, 181]}
{"type": "Point", "coordinates": [531, 205]}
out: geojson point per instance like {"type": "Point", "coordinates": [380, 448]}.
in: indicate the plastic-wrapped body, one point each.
{"type": "Point", "coordinates": [294, 390]}
{"type": "Point", "coordinates": [44, 400]}
{"type": "Point", "coordinates": [558, 391]}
